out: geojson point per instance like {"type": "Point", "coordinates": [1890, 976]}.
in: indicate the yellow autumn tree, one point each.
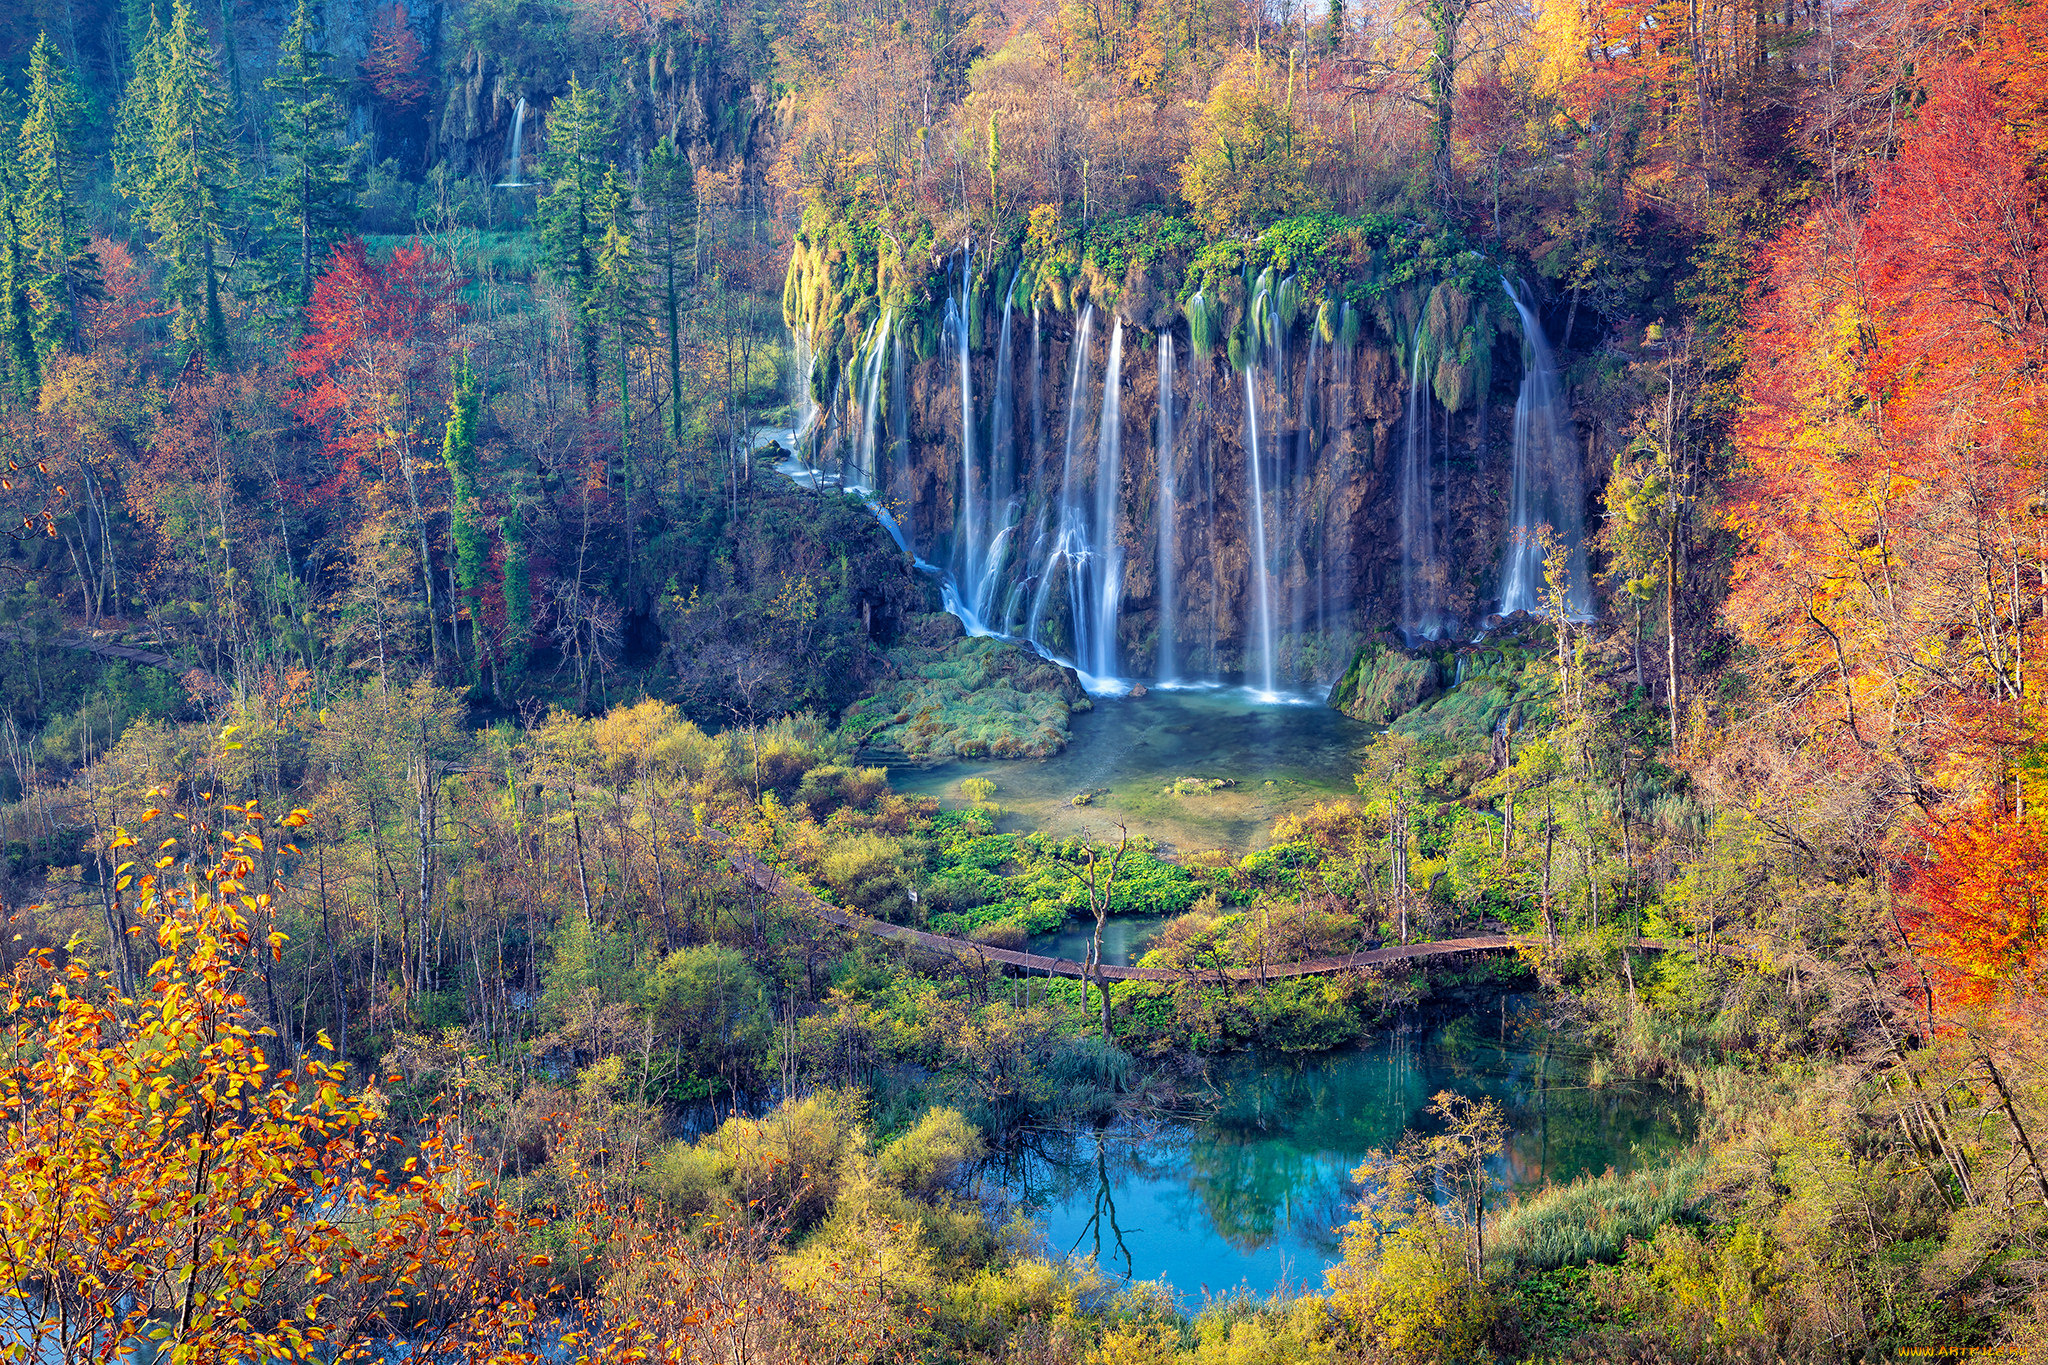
{"type": "Point", "coordinates": [1249, 157]}
{"type": "Point", "coordinates": [168, 1176]}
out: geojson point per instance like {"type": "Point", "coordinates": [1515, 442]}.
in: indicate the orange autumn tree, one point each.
{"type": "Point", "coordinates": [1893, 568]}
{"type": "Point", "coordinates": [1977, 902]}
{"type": "Point", "coordinates": [394, 63]}
{"type": "Point", "coordinates": [166, 1175]}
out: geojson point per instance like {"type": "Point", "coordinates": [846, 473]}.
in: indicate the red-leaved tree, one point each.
{"type": "Point", "coordinates": [372, 370]}
{"type": "Point", "coordinates": [393, 63]}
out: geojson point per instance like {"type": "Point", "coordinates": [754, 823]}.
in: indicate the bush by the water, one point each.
{"type": "Point", "coordinates": [1594, 1218]}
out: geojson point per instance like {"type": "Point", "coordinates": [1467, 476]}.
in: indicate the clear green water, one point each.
{"type": "Point", "coordinates": [1125, 939]}
{"type": "Point", "coordinates": [1125, 753]}
{"type": "Point", "coordinates": [1254, 1194]}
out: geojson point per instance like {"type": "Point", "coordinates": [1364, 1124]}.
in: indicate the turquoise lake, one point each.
{"type": "Point", "coordinates": [1254, 1194]}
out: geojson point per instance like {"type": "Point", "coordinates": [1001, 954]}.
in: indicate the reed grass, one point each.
{"type": "Point", "coordinates": [1595, 1217]}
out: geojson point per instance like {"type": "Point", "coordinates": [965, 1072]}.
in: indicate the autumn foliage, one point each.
{"type": "Point", "coordinates": [1892, 509]}
{"type": "Point", "coordinates": [394, 62]}
{"type": "Point", "coordinates": [172, 1173]}
{"type": "Point", "coordinates": [374, 352]}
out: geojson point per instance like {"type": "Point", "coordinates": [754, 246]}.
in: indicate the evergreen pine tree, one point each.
{"type": "Point", "coordinates": [669, 191]}
{"type": "Point", "coordinates": [177, 167]}
{"type": "Point", "coordinates": [570, 216]}
{"type": "Point", "coordinates": [618, 296]}
{"type": "Point", "coordinates": [139, 19]}
{"type": "Point", "coordinates": [18, 362]}
{"type": "Point", "coordinates": [465, 529]}
{"type": "Point", "coordinates": [310, 197]}
{"type": "Point", "coordinates": [63, 273]}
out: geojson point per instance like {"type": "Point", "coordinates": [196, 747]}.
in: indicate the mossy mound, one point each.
{"type": "Point", "coordinates": [1384, 683]}
{"type": "Point", "coordinates": [1487, 684]}
{"type": "Point", "coordinates": [968, 698]}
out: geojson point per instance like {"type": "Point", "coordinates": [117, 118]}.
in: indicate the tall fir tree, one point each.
{"type": "Point", "coordinates": [618, 298]}
{"type": "Point", "coordinates": [570, 215]}
{"type": "Point", "coordinates": [139, 18]}
{"type": "Point", "coordinates": [310, 195]}
{"type": "Point", "coordinates": [177, 166]}
{"type": "Point", "coordinates": [465, 519]}
{"type": "Point", "coordinates": [669, 190]}
{"type": "Point", "coordinates": [18, 363]}
{"type": "Point", "coordinates": [63, 273]}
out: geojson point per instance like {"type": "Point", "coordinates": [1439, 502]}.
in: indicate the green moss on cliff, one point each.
{"type": "Point", "coordinates": [1414, 282]}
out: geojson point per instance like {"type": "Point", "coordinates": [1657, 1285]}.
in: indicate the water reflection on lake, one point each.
{"type": "Point", "coordinates": [1255, 1193]}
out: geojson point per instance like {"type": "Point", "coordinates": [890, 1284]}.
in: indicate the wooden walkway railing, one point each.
{"type": "Point", "coordinates": [765, 878]}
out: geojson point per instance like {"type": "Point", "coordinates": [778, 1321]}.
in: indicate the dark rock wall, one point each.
{"type": "Point", "coordinates": [1331, 436]}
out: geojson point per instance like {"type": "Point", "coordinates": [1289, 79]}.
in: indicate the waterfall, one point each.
{"type": "Point", "coordinates": [899, 432]}
{"type": "Point", "coordinates": [866, 463]}
{"type": "Point", "coordinates": [801, 363]}
{"type": "Point", "coordinates": [1422, 573]}
{"type": "Point", "coordinates": [513, 146]}
{"type": "Point", "coordinates": [1547, 489]}
{"type": "Point", "coordinates": [1260, 576]}
{"type": "Point", "coordinates": [1297, 515]}
{"type": "Point", "coordinates": [1030, 543]}
{"type": "Point", "coordinates": [1069, 533]}
{"type": "Point", "coordinates": [967, 527]}
{"type": "Point", "coordinates": [1168, 664]}
{"type": "Point", "coordinates": [1106, 557]}
{"type": "Point", "coordinates": [1333, 563]}
{"type": "Point", "coordinates": [988, 559]}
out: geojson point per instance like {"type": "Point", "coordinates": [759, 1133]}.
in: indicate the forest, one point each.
{"type": "Point", "coordinates": [1172, 682]}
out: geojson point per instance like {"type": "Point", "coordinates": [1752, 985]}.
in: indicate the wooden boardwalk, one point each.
{"type": "Point", "coordinates": [765, 878]}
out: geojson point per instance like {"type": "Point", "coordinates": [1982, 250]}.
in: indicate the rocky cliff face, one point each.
{"type": "Point", "coordinates": [1376, 508]}
{"type": "Point", "coordinates": [697, 94]}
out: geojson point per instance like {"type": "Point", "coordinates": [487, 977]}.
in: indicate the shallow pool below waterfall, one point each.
{"type": "Point", "coordinates": [1253, 1196]}
{"type": "Point", "coordinates": [1125, 754]}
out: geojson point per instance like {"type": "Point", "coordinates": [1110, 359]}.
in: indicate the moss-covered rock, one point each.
{"type": "Point", "coordinates": [1459, 695]}
{"type": "Point", "coordinates": [1486, 684]}
{"type": "Point", "coordinates": [964, 697]}
{"type": "Point", "coordinates": [1384, 683]}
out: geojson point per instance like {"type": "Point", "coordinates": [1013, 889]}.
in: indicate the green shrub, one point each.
{"type": "Point", "coordinates": [710, 1009]}
{"type": "Point", "coordinates": [930, 1156]}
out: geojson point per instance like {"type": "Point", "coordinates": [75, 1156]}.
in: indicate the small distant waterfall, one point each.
{"type": "Point", "coordinates": [1261, 577]}
{"type": "Point", "coordinates": [967, 529]}
{"type": "Point", "coordinates": [1422, 571]}
{"type": "Point", "coordinates": [801, 363]}
{"type": "Point", "coordinates": [988, 558]}
{"type": "Point", "coordinates": [899, 433]}
{"type": "Point", "coordinates": [1168, 664]}
{"type": "Point", "coordinates": [1548, 490]}
{"type": "Point", "coordinates": [1298, 518]}
{"type": "Point", "coordinates": [514, 145]}
{"type": "Point", "coordinates": [1034, 477]}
